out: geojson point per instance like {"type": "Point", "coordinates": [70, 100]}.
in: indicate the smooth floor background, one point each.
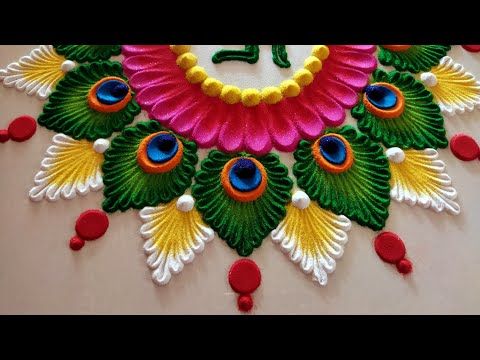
{"type": "Point", "coordinates": [39, 274]}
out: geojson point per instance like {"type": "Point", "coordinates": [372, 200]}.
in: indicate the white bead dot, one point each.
{"type": "Point", "coordinates": [300, 200]}
{"type": "Point", "coordinates": [429, 79]}
{"type": "Point", "coordinates": [395, 155]}
{"type": "Point", "coordinates": [185, 203]}
{"type": "Point", "coordinates": [101, 145]}
{"type": "Point", "coordinates": [67, 65]}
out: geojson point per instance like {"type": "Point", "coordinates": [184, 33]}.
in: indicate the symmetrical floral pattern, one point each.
{"type": "Point", "coordinates": [241, 189]}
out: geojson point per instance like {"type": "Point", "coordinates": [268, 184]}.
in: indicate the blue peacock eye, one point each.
{"type": "Point", "coordinates": [112, 91]}
{"type": "Point", "coordinates": [245, 175]}
{"type": "Point", "coordinates": [333, 150]}
{"type": "Point", "coordinates": [162, 148]}
{"type": "Point", "coordinates": [381, 96]}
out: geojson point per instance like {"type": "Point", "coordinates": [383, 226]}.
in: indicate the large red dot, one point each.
{"type": "Point", "coordinates": [244, 276]}
{"type": "Point", "coordinates": [91, 224]}
{"type": "Point", "coordinates": [472, 48]}
{"type": "Point", "coordinates": [389, 247]}
{"type": "Point", "coordinates": [464, 147]}
{"type": "Point", "coordinates": [22, 128]}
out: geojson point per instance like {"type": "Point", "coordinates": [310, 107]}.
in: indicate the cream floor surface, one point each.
{"type": "Point", "coordinates": [39, 274]}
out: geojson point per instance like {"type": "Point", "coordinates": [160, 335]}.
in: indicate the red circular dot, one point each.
{"type": "Point", "coordinates": [22, 128]}
{"type": "Point", "coordinates": [91, 224]}
{"type": "Point", "coordinates": [464, 147]}
{"type": "Point", "coordinates": [244, 276]}
{"type": "Point", "coordinates": [245, 303]}
{"type": "Point", "coordinates": [389, 247]}
{"type": "Point", "coordinates": [4, 137]}
{"type": "Point", "coordinates": [472, 48]}
{"type": "Point", "coordinates": [404, 266]}
{"type": "Point", "coordinates": [76, 243]}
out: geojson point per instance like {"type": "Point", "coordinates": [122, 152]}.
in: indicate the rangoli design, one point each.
{"type": "Point", "coordinates": [240, 189]}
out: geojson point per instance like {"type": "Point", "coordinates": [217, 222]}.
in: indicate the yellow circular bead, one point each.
{"type": "Point", "coordinates": [313, 64]}
{"type": "Point", "coordinates": [251, 97]}
{"type": "Point", "coordinates": [212, 87]}
{"type": "Point", "coordinates": [187, 60]}
{"type": "Point", "coordinates": [180, 49]}
{"type": "Point", "coordinates": [271, 95]}
{"type": "Point", "coordinates": [303, 77]}
{"type": "Point", "coordinates": [196, 74]}
{"type": "Point", "coordinates": [321, 51]}
{"type": "Point", "coordinates": [231, 94]}
{"type": "Point", "coordinates": [290, 88]}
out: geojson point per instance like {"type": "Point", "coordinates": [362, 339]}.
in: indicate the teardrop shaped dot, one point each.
{"type": "Point", "coordinates": [245, 176]}
{"type": "Point", "coordinates": [162, 148]}
{"type": "Point", "coordinates": [333, 150]}
{"type": "Point", "coordinates": [381, 96]}
{"type": "Point", "coordinates": [112, 91]}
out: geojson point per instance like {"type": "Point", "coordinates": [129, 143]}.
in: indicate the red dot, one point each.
{"type": "Point", "coordinates": [4, 137]}
{"type": "Point", "coordinates": [472, 48]}
{"type": "Point", "coordinates": [76, 243]}
{"type": "Point", "coordinates": [245, 303]}
{"type": "Point", "coordinates": [91, 224]}
{"type": "Point", "coordinates": [464, 147]}
{"type": "Point", "coordinates": [244, 276]}
{"type": "Point", "coordinates": [404, 266]}
{"type": "Point", "coordinates": [389, 247]}
{"type": "Point", "coordinates": [22, 128]}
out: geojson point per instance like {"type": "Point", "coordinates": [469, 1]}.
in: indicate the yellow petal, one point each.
{"type": "Point", "coordinates": [174, 233]}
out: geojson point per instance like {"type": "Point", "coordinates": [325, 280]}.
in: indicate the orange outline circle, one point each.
{"type": "Point", "coordinates": [397, 48]}
{"type": "Point", "coordinates": [324, 164]}
{"type": "Point", "coordinates": [239, 195]}
{"type": "Point", "coordinates": [149, 166]}
{"type": "Point", "coordinates": [98, 106]}
{"type": "Point", "coordinates": [390, 113]}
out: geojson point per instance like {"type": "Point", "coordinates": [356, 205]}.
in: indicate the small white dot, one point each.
{"type": "Point", "coordinates": [67, 65]}
{"type": "Point", "coordinates": [185, 203]}
{"type": "Point", "coordinates": [300, 200]}
{"type": "Point", "coordinates": [395, 155]}
{"type": "Point", "coordinates": [101, 145]}
{"type": "Point", "coordinates": [429, 79]}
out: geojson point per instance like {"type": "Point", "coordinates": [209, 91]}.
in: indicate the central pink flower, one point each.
{"type": "Point", "coordinates": [167, 96]}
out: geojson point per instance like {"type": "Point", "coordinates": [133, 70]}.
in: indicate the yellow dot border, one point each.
{"type": "Point", "coordinates": [231, 94]}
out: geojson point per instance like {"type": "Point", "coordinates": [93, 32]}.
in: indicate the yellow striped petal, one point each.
{"type": "Point", "coordinates": [454, 89]}
{"type": "Point", "coordinates": [70, 167]}
{"type": "Point", "coordinates": [38, 73]}
{"type": "Point", "coordinates": [312, 237]}
{"type": "Point", "coordinates": [419, 177]}
{"type": "Point", "coordinates": [174, 233]}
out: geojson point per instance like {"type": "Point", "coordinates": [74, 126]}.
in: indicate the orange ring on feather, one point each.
{"type": "Point", "coordinates": [394, 112]}
{"type": "Point", "coordinates": [397, 48]}
{"type": "Point", "coordinates": [325, 164]}
{"type": "Point", "coordinates": [148, 165]}
{"type": "Point", "coordinates": [240, 195]}
{"type": "Point", "coordinates": [94, 104]}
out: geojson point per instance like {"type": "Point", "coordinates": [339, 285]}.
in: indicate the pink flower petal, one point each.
{"type": "Point", "coordinates": [257, 138]}
{"type": "Point", "coordinates": [353, 78]}
{"type": "Point", "coordinates": [284, 134]}
{"type": "Point", "coordinates": [307, 121]}
{"type": "Point", "coordinates": [232, 133]}
{"type": "Point", "coordinates": [354, 59]}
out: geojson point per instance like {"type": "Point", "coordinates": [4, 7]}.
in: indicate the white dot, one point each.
{"type": "Point", "coordinates": [67, 65]}
{"type": "Point", "coordinates": [429, 79]}
{"type": "Point", "coordinates": [185, 203]}
{"type": "Point", "coordinates": [395, 155]}
{"type": "Point", "coordinates": [300, 200]}
{"type": "Point", "coordinates": [101, 145]}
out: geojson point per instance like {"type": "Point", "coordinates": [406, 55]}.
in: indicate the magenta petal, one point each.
{"type": "Point", "coordinates": [363, 48]}
{"type": "Point", "coordinates": [307, 121]}
{"type": "Point", "coordinates": [355, 59]}
{"type": "Point", "coordinates": [332, 113]}
{"type": "Point", "coordinates": [142, 79]}
{"type": "Point", "coordinates": [232, 133]}
{"type": "Point", "coordinates": [257, 138]}
{"type": "Point", "coordinates": [340, 92]}
{"type": "Point", "coordinates": [283, 132]}
{"type": "Point", "coordinates": [351, 77]}
{"type": "Point", "coordinates": [130, 50]}
{"type": "Point", "coordinates": [167, 107]}
{"type": "Point", "coordinates": [206, 131]}
{"type": "Point", "coordinates": [188, 117]}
